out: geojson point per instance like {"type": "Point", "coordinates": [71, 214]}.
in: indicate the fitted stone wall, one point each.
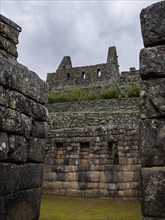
{"type": "Point", "coordinates": [22, 131]}
{"type": "Point", "coordinates": [67, 76]}
{"type": "Point", "coordinates": [93, 149]}
{"type": "Point", "coordinates": [152, 70]}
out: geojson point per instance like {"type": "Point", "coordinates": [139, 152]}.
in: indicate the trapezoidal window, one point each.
{"type": "Point", "coordinates": [98, 72]}
{"type": "Point", "coordinates": [59, 154]}
{"type": "Point", "coordinates": [113, 157]}
{"type": "Point", "coordinates": [84, 153]}
{"type": "Point", "coordinates": [68, 76]}
{"type": "Point", "coordinates": [83, 75]}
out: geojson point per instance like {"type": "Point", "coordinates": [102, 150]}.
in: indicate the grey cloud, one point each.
{"type": "Point", "coordinates": [82, 29]}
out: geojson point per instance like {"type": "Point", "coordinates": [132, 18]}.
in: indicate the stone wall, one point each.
{"type": "Point", "coordinates": [152, 70]}
{"type": "Point", "coordinates": [93, 149]}
{"type": "Point", "coordinates": [67, 76]}
{"type": "Point", "coordinates": [22, 131]}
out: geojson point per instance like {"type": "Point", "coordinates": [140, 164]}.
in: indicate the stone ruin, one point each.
{"type": "Point", "coordinates": [152, 111]}
{"type": "Point", "coordinates": [93, 146]}
{"type": "Point", "coordinates": [22, 131]}
{"type": "Point", "coordinates": [95, 149]}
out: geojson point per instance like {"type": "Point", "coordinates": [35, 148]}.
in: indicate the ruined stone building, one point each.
{"type": "Point", "coordinates": [113, 148]}
{"type": "Point", "coordinates": [93, 146]}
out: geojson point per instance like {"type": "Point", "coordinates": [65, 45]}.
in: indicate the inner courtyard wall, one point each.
{"type": "Point", "coordinates": [93, 149]}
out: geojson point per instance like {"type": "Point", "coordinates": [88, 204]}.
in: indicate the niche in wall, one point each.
{"type": "Point", "coordinates": [84, 153]}
{"type": "Point", "coordinates": [59, 154]}
{"type": "Point", "coordinates": [113, 156]}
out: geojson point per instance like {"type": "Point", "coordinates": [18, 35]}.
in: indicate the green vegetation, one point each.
{"type": "Point", "coordinates": [110, 93]}
{"type": "Point", "coordinates": [76, 208]}
{"type": "Point", "coordinates": [133, 91]}
{"type": "Point", "coordinates": [84, 94]}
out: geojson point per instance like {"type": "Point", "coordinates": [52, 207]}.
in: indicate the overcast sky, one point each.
{"type": "Point", "coordinates": [81, 29]}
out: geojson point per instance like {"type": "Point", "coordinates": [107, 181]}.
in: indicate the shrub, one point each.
{"type": "Point", "coordinates": [110, 93]}
{"type": "Point", "coordinates": [55, 97]}
{"type": "Point", "coordinates": [133, 91]}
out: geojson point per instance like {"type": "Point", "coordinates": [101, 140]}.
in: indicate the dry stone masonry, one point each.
{"type": "Point", "coordinates": [93, 146]}
{"type": "Point", "coordinates": [22, 131]}
{"type": "Point", "coordinates": [93, 149]}
{"type": "Point", "coordinates": [152, 70]}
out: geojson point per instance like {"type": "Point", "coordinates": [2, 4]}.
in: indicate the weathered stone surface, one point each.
{"type": "Point", "coordinates": [22, 94]}
{"type": "Point", "coordinates": [19, 78]}
{"type": "Point", "coordinates": [15, 122]}
{"type": "Point", "coordinates": [9, 32]}
{"type": "Point", "coordinates": [7, 21]}
{"type": "Point", "coordinates": [152, 103]}
{"type": "Point", "coordinates": [27, 106]}
{"type": "Point", "coordinates": [10, 177]}
{"type": "Point", "coordinates": [8, 46]}
{"type": "Point", "coordinates": [2, 208]}
{"type": "Point", "coordinates": [23, 205]}
{"type": "Point", "coordinates": [36, 150]}
{"type": "Point", "coordinates": [39, 129]}
{"type": "Point", "coordinates": [4, 146]}
{"type": "Point", "coordinates": [152, 61]}
{"type": "Point", "coordinates": [31, 176]}
{"type": "Point", "coordinates": [18, 148]}
{"type": "Point", "coordinates": [153, 192]}
{"type": "Point", "coordinates": [153, 142]}
{"type": "Point", "coordinates": [3, 96]}
{"type": "Point", "coordinates": [153, 24]}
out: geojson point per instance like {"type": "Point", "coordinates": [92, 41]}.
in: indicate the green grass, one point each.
{"type": "Point", "coordinates": [77, 208]}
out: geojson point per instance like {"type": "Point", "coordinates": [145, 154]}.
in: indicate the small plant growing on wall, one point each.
{"type": "Point", "coordinates": [133, 91]}
{"type": "Point", "coordinates": [110, 93]}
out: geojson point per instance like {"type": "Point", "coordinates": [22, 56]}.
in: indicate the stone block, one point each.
{"type": "Point", "coordinates": [109, 177]}
{"type": "Point", "coordinates": [126, 176]}
{"type": "Point", "coordinates": [15, 122]}
{"type": "Point", "coordinates": [31, 176]}
{"type": "Point", "coordinates": [36, 150]}
{"type": "Point", "coordinates": [152, 103]}
{"type": "Point", "coordinates": [20, 79]}
{"type": "Point", "coordinates": [9, 32]}
{"type": "Point", "coordinates": [27, 106]}
{"type": "Point", "coordinates": [51, 176]}
{"type": "Point", "coordinates": [18, 148]}
{"type": "Point", "coordinates": [153, 192]}
{"type": "Point", "coordinates": [8, 46]}
{"type": "Point", "coordinates": [152, 61]}
{"type": "Point", "coordinates": [10, 177]}
{"type": "Point", "coordinates": [39, 129]}
{"type": "Point", "coordinates": [3, 96]}
{"type": "Point", "coordinates": [95, 176]}
{"type": "Point", "coordinates": [4, 146]}
{"type": "Point", "coordinates": [153, 142]}
{"type": "Point", "coordinates": [153, 24]}
{"type": "Point", "coordinates": [23, 205]}
{"type": "Point", "coordinates": [2, 208]}
{"type": "Point", "coordinates": [128, 193]}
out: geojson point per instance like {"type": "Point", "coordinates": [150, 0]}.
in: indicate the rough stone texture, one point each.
{"type": "Point", "coordinates": [153, 24]}
{"type": "Point", "coordinates": [80, 157]}
{"type": "Point", "coordinates": [153, 102]}
{"type": "Point", "coordinates": [22, 131]}
{"type": "Point", "coordinates": [9, 32]}
{"type": "Point", "coordinates": [152, 61]}
{"type": "Point", "coordinates": [153, 142]}
{"type": "Point", "coordinates": [152, 128]}
{"type": "Point", "coordinates": [153, 192]}
{"type": "Point", "coordinates": [99, 75]}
